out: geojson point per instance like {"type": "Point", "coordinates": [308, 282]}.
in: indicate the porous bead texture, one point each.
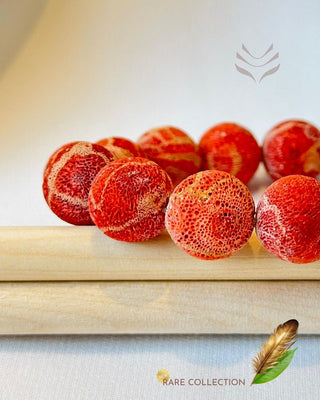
{"type": "Point", "coordinates": [288, 219]}
{"type": "Point", "coordinates": [128, 199]}
{"type": "Point", "coordinates": [67, 179]}
{"type": "Point", "coordinates": [210, 215]}
{"type": "Point", "coordinates": [121, 148]}
{"type": "Point", "coordinates": [173, 150]}
{"type": "Point", "coordinates": [231, 148]}
{"type": "Point", "coordinates": [292, 148]}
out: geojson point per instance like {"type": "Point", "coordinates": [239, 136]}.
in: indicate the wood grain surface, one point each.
{"type": "Point", "coordinates": [157, 307]}
{"type": "Point", "coordinates": [84, 253]}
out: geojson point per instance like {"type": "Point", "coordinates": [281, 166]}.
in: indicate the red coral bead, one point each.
{"type": "Point", "coordinates": [121, 147]}
{"type": "Point", "coordinates": [292, 148]}
{"type": "Point", "coordinates": [231, 148]}
{"type": "Point", "coordinates": [210, 215]}
{"type": "Point", "coordinates": [173, 150]}
{"type": "Point", "coordinates": [288, 219]}
{"type": "Point", "coordinates": [67, 179]}
{"type": "Point", "coordinates": [128, 198]}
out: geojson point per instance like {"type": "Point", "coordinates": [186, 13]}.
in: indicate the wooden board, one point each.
{"type": "Point", "coordinates": [84, 253]}
{"type": "Point", "coordinates": [157, 307]}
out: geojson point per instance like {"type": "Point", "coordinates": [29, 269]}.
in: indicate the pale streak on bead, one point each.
{"type": "Point", "coordinates": [311, 158]}
{"type": "Point", "coordinates": [77, 149]}
{"type": "Point", "coordinates": [231, 150]}
{"type": "Point", "coordinates": [147, 205]}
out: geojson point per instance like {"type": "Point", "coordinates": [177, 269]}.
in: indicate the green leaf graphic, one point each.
{"type": "Point", "coordinates": [272, 373]}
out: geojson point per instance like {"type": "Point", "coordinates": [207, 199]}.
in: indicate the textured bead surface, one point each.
{"type": "Point", "coordinates": [210, 215]}
{"type": "Point", "coordinates": [231, 148]}
{"type": "Point", "coordinates": [173, 150]}
{"type": "Point", "coordinates": [67, 179]}
{"type": "Point", "coordinates": [292, 147]}
{"type": "Point", "coordinates": [128, 198]}
{"type": "Point", "coordinates": [288, 219]}
{"type": "Point", "coordinates": [121, 148]}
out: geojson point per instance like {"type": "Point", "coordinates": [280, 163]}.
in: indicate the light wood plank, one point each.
{"type": "Point", "coordinates": [84, 253]}
{"type": "Point", "coordinates": [157, 307]}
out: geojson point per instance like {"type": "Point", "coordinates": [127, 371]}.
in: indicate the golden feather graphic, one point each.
{"type": "Point", "coordinates": [275, 350]}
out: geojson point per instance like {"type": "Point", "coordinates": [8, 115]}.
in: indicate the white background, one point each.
{"type": "Point", "coordinates": [84, 70]}
{"type": "Point", "coordinates": [90, 69]}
